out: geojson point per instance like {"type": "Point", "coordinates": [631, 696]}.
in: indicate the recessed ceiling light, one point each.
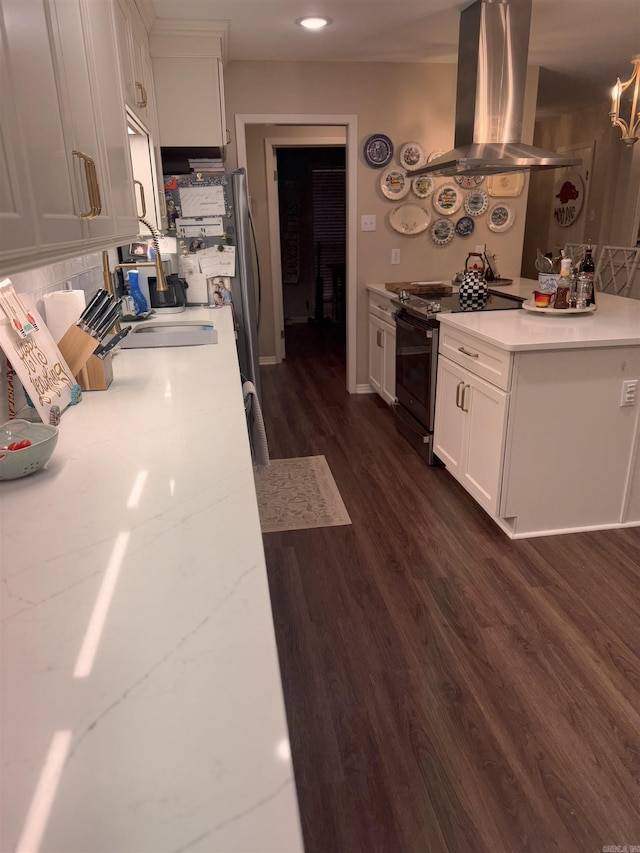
{"type": "Point", "coordinates": [313, 22]}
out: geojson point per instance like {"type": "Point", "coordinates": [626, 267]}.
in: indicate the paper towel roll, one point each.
{"type": "Point", "coordinates": [62, 308]}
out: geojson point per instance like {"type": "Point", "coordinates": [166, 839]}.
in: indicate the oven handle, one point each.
{"type": "Point", "coordinates": [414, 324]}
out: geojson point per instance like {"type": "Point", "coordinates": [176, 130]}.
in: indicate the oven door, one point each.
{"type": "Point", "coordinates": [416, 364]}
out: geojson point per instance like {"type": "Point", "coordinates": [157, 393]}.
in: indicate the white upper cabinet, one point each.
{"type": "Point", "coordinates": [189, 91]}
{"type": "Point", "coordinates": [64, 94]}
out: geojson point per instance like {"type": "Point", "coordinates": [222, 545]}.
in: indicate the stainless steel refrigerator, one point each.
{"type": "Point", "coordinates": [238, 232]}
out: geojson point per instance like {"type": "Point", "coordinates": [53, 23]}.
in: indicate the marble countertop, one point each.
{"type": "Point", "coordinates": [615, 323]}
{"type": "Point", "coordinates": [141, 701]}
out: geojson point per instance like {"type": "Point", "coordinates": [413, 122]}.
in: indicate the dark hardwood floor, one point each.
{"type": "Point", "coordinates": [447, 689]}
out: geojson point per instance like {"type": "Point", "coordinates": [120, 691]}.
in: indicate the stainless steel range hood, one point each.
{"type": "Point", "coordinates": [492, 70]}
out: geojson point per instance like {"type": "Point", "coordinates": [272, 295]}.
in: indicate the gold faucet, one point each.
{"type": "Point", "coordinates": [107, 273]}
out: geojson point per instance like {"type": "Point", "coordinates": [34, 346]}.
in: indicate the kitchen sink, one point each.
{"type": "Point", "coordinates": [168, 334]}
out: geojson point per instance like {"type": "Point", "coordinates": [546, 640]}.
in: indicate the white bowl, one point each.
{"type": "Point", "coordinates": [21, 463]}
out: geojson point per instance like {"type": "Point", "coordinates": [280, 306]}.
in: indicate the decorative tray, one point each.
{"type": "Point", "coordinates": [557, 312]}
{"type": "Point", "coordinates": [435, 288]}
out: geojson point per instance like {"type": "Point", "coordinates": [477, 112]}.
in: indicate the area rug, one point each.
{"type": "Point", "coordinates": [295, 494]}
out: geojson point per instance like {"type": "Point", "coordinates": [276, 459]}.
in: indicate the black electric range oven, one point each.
{"type": "Point", "coordinates": [417, 335]}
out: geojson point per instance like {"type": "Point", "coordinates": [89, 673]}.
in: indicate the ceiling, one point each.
{"type": "Point", "coordinates": [581, 45]}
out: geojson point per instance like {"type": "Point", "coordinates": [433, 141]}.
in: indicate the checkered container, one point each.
{"type": "Point", "coordinates": [473, 287]}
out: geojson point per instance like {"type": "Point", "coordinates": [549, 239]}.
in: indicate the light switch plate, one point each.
{"type": "Point", "coordinates": [368, 222]}
{"type": "Point", "coordinates": [395, 256]}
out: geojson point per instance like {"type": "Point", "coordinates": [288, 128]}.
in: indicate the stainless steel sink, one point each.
{"type": "Point", "coordinates": [167, 334]}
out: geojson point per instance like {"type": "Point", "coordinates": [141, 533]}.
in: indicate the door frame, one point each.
{"type": "Point", "coordinates": [273, 207]}
{"type": "Point", "coordinates": [350, 125]}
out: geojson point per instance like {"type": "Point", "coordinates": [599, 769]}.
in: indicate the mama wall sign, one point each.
{"type": "Point", "coordinates": [568, 198]}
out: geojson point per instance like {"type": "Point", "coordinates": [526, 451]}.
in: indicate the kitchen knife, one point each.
{"type": "Point", "coordinates": [103, 350]}
{"type": "Point", "coordinates": [104, 308]}
{"type": "Point", "coordinates": [93, 308]}
{"type": "Point", "coordinates": [107, 321]}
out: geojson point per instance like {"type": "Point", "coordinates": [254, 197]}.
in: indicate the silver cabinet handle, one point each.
{"type": "Point", "coordinates": [458, 389]}
{"type": "Point", "coordinates": [464, 398]}
{"type": "Point", "coordinates": [466, 352]}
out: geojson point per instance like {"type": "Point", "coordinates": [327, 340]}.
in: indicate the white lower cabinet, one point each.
{"type": "Point", "coordinates": [545, 446]}
{"type": "Point", "coordinates": [382, 348]}
{"type": "Point", "coordinates": [469, 433]}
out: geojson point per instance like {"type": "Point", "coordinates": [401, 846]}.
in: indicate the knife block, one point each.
{"type": "Point", "coordinates": [91, 373]}
{"type": "Point", "coordinates": [97, 374]}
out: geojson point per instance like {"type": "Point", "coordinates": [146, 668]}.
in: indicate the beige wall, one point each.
{"type": "Point", "coordinates": [407, 102]}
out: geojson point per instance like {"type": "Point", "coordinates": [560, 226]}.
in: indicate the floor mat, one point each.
{"type": "Point", "coordinates": [295, 494]}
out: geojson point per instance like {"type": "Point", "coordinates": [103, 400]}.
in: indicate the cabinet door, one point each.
{"type": "Point", "coordinates": [36, 85]}
{"type": "Point", "coordinates": [118, 217]}
{"type": "Point", "coordinates": [17, 216]}
{"type": "Point", "coordinates": [450, 419]}
{"type": "Point", "coordinates": [485, 409]}
{"type": "Point", "coordinates": [376, 353]}
{"type": "Point", "coordinates": [388, 390]}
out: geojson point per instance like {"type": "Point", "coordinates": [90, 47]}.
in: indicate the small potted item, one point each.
{"type": "Point", "coordinates": [473, 291]}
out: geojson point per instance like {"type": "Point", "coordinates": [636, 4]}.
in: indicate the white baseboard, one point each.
{"type": "Point", "coordinates": [267, 359]}
{"type": "Point", "coordinates": [364, 388]}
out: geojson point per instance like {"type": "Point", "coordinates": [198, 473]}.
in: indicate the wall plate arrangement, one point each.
{"type": "Point", "coordinates": [378, 151]}
{"type": "Point", "coordinates": [447, 199]}
{"type": "Point", "coordinates": [409, 218]}
{"type": "Point", "coordinates": [468, 182]}
{"type": "Point", "coordinates": [442, 231]}
{"type": "Point", "coordinates": [423, 185]}
{"type": "Point", "coordinates": [412, 156]}
{"type": "Point", "coordinates": [501, 218]}
{"type": "Point", "coordinates": [394, 183]}
{"type": "Point", "coordinates": [507, 185]}
{"type": "Point", "coordinates": [434, 155]}
{"type": "Point", "coordinates": [465, 226]}
{"type": "Point", "coordinates": [476, 202]}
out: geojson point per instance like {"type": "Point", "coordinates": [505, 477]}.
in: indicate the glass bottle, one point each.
{"type": "Point", "coordinates": [588, 269]}
{"type": "Point", "coordinates": [563, 290]}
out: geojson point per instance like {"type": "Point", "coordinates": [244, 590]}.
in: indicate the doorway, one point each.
{"type": "Point", "coordinates": [345, 129]}
{"type": "Point", "coordinates": [312, 236]}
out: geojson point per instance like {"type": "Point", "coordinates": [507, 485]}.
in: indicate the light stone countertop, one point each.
{"type": "Point", "coordinates": [141, 695]}
{"type": "Point", "coordinates": [615, 323]}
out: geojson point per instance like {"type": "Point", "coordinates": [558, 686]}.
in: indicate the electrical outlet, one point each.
{"type": "Point", "coordinates": [629, 392]}
{"type": "Point", "coordinates": [480, 249]}
{"type": "Point", "coordinates": [368, 222]}
{"type": "Point", "coordinates": [395, 256]}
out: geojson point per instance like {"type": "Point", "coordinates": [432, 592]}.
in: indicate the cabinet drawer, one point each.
{"type": "Point", "coordinates": [381, 307]}
{"type": "Point", "coordinates": [479, 357]}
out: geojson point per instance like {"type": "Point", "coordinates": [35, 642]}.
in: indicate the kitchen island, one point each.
{"type": "Point", "coordinates": [141, 702]}
{"type": "Point", "coordinates": [536, 414]}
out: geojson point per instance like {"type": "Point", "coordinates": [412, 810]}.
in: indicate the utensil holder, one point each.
{"type": "Point", "coordinates": [91, 373]}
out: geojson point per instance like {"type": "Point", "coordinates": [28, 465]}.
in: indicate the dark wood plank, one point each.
{"type": "Point", "coordinates": [447, 689]}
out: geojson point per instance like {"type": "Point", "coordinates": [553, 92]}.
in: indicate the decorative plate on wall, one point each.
{"type": "Point", "coordinates": [412, 156]}
{"type": "Point", "coordinates": [442, 231]}
{"type": "Point", "coordinates": [434, 155]}
{"type": "Point", "coordinates": [447, 199]}
{"type": "Point", "coordinates": [378, 150]}
{"type": "Point", "coordinates": [409, 218]}
{"type": "Point", "coordinates": [468, 182]}
{"type": "Point", "coordinates": [476, 202]}
{"type": "Point", "coordinates": [394, 183]}
{"type": "Point", "coordinates": [506, 185]}
{"type": "Point", "coordinates": [501, 218]}
{"type": "Point", "coordinates": [465, 226]}
{"type": "Point", "coordinates": [423, 185]}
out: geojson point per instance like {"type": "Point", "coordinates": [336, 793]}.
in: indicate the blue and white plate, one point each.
{"type": "Point", "coordinates": [476, 202]}
{"type": "Point", "coordinates": [378, 150]}
{"type": "Point", "coordinates": [442, 231]}
{"type": "Point", "coordinates": [465, 226]}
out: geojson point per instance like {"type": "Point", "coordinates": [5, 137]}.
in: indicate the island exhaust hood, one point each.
{"type": "Point", "coordinates": [492, 68]}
